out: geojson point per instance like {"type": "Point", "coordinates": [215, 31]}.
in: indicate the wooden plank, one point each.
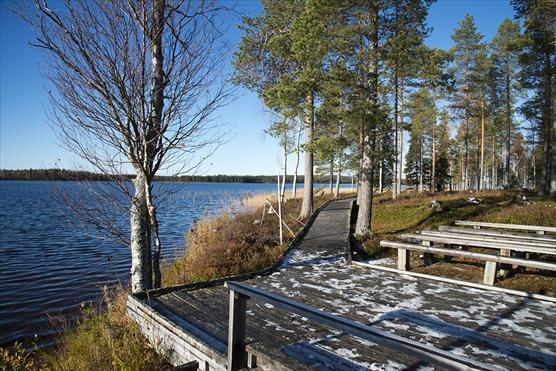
{"type": "Point", "coordinates": [495, 233]}
{"type": "Point", "coordinates": [477, 243]}
{"type": "Point", "coordinates": [474, 255]}
{"type": "Point", "coordinates": [521, 227]}
{"type": "Point", "coordinates": [410, 347]}
{"type": "Point", "coordinates": [549, 245]}
{"type": "Point", "coordinates": [237, 356]}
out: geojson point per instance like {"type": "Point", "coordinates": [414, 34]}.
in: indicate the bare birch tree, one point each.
{"type": "Point", "coordinates": [135, 85]}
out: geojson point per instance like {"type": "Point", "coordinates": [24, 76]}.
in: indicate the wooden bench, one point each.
{"type": "Point", "coordinates": [491, 260]}
{"type": "Point", "coordinates": [520, 227]}
{"type": "Point", "coordinates": [501, 243]}
{"type": "Point", "coordinates": [506, 245]}
{"type": "Point", "coordinates": [496, 233]}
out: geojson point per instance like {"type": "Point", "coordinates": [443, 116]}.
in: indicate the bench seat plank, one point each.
{"type": "Point", "coordinates": [494, 233]}
{"type": "Point", "coordinates": [522, 227]}
{"type": "Point", "coordinates": [508, 245]}
{"type": "Point", "coordinates": [495, 239]}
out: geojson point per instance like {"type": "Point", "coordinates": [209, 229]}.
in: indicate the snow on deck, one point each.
{"type": "Point", "coordinates": [498, 330]}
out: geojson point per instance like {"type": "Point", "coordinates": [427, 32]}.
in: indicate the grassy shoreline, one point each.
{"type": "Point", "coordinates": [229, 245]}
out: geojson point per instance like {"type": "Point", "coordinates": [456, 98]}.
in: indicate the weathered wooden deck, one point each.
{"type": "Point", "coordinates": [497, 330]}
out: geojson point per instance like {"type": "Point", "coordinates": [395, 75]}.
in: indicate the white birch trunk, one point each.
{"type": "Point", "coordinates": [140, 274]}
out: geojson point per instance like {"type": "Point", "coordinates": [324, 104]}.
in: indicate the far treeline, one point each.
{"type": "Point", "coordinates": [74, 175]}
{"type": "Point", "coordinates": [357, 77]}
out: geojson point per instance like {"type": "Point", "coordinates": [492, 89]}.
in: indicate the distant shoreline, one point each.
{"type": "Point", "coordinates": [72, 175]}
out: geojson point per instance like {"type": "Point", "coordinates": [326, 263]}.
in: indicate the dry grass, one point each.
{"type": "Point", "coordinates": [258, 200]}
{"type": "Point", "coordinates": [412, 212]}
{"type": "Point", "coordinates": [232, 245]}
{"type": "Point", "coordinates": [106, 340]}
{"type": "Point", "coordinates": [103, 339]}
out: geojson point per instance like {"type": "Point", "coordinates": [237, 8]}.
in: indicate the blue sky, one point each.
{"type": "Point", "coordinates": [26, 139]}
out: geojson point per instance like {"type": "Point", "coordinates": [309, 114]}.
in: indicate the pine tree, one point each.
{"type": "Point", "coordinates": [505, 52]}
{"type": "Point", "coordinates": [281, 57]}
{"type": "Point", "coordinates": [468, 43]}
{"type": "Point", "coordinates": [538, 74]}
{"type": "Point", "coordinates": [408, 31]}
{"type": "Point", "coordinates": [435, 77]}
{"type": "Point", "coordinates": [444, 160]}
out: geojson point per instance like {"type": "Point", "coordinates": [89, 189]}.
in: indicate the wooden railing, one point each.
{"type": "Point", "coordinates": [237, 355]}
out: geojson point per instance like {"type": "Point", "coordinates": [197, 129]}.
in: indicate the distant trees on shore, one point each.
{"type": "Point", "coordinates": [73, 175]}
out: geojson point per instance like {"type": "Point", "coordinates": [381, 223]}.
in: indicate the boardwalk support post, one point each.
{"type": "Point", "coordinates": [237, 356]}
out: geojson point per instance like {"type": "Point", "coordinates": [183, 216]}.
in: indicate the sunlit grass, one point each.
{"type": "Point", "coordinates": [412, 212]}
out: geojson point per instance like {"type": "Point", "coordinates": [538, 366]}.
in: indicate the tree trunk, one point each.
{"type": "Point", "coordinates": [482, 144]}
{"type": "Point", "coordinates": [140, 257]}
{"type": "Point", "coordinates": [421, 163]}
{"type": "Point", "coordinates": [153, 222]}
{"type": "Point", "coordinates": [433, 170]}
{"type": "Point", "coordinates": [400, 162]}
{"type": "Point", "coordinates": [285, 174]}
{"type": "Point", "coordinates": [363, 225]}
{"type": "Point", "coordinates": [551, 126]}
{"type": "Point", "coordinates": [338, 177]}
{"type": "Point", "coordinates": [508, 125]}
{"type": "Point", "coordinates": [380, 170]}
{"type": "Point", "coordinates": [307, 204]}
{"type": "Point", "coordinates": [331, 175]}
{"type": "Point", "coordinates": [297, 156]}
{"type": "Point", "coordinates": [395, 157]}
{"type": "Point", "coordinates": [340, 158]}
{"type": "Point", "coordinates": [466, 139]}
{"type": "Point", "coordinates": [493, 180]}
{"type": "Point", "coordinates": [360, 162]}
{"type": "Point", "coordinates": [151, 142]}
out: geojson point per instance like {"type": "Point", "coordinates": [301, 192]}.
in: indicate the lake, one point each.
{"type": "Point", "coordinates": [49, 266]}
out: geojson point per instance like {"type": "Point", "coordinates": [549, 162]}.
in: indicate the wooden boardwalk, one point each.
{"type": "Point", "coordinates": [497, 330]}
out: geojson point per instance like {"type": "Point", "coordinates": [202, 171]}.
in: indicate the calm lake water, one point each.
{"type": "Point", "coordinates": [48, 266]}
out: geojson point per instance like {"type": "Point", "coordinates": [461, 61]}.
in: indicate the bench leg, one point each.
{"type": "Point", "coordinates": [505, 268]}
{"type": "Point", "coordinates": [427, 256]}
{"type": "Point", "coordinates": [403, 259]}
{"type": "Point", "coordinates": [251, 360]}
{"type": "Point", "coordinates": [490, 273]}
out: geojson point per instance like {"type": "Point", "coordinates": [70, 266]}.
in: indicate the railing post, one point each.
{"type": "Point", "coordinates": [237, 356]}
